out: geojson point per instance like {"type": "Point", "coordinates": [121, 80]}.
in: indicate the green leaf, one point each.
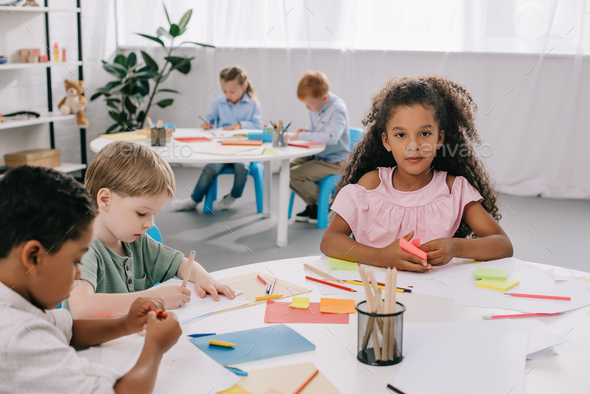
{"type": "Point", "coordinates": [145, 85]}
{"type": "Point", "coordinates": [131, 60]}
{"type": "Point", "coordinates": [111, 128]}
{"type": "Point", "coordinates": [185, 18]}
{"type": "Point", "coordinates": [95, 96]}
{"type": "Point", "coordinates": [140, 116]}
{"type": "Point", "coordinates": [183, 67]}
{"type": "Point", "coordinates": [174, 30]}
{"type": "Point", "coordinates": [197, 43]}
{"type": "Point", "coordinates": [137, 100]}
{"type": "Point", "coordinates": [167, 17]}
{"type": "Point", "coordinates": [120, 59]}
{"type": "Point", "coordinates": [130, 105]}
{"type": "Point", "coordinates": [116, 116]}
{"type": "Point", "coordinates": [146, 74]}
{"type": "Point", "coordinates": [168, 90]}
{"type": "Point", "coordinates": [165, 103]}
{"type": "Point", "coordinates": [149, 61]}
{"type": "Point", "coordinates": [115, 69]}
{"type": "Point", "coordinates": [156, 39]}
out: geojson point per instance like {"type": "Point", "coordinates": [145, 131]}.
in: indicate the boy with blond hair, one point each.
{"type": "Point", "coordinates": [328, 124]}
{"type": "Point", "coordinates": [129, 183]}
{"type": "Point", "coordinates": [46, 226]}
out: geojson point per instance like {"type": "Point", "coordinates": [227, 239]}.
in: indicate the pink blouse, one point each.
{"type": "Point", "coordinates": [380, 216]}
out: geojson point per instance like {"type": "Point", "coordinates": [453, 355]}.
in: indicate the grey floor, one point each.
{"type": "Point", "coordinates": [542, 230]}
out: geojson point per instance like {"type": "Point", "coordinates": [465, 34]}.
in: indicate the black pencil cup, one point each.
{"type": "Point", "coordinates": [380, 335]}
{"type": "Point", "coordinates": [158, 136]}
{"type": "Point", "coordinates": [279, 138]}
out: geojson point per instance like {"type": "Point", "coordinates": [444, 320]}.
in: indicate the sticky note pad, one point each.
{"type": "Point", "coordinates": [410, 248]}
{"type": "Point", "coordinates": [342, 265]}
{"type": "Point", "coordinates": [499, 285]}
{"type": "Point", "coordinates": [337, 305]}
{"type": "Point", "coordinates": [300, 302]}
{"type": "Point", "coordinates": [489, 273]}
{"type": "Point", "coordinates": [254, 344]}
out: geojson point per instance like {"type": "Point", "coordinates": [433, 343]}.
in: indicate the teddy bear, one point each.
{"type": "Point", "coordinates": [74, 102]}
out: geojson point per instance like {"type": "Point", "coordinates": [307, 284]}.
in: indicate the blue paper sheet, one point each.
{"type": "Point", "coordinates": [255, 344]}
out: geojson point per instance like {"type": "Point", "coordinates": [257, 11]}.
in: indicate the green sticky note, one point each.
{"type": "Point", "coordinates": [489, 273]}
{"type": "Point", "coordinates": [342, 265]}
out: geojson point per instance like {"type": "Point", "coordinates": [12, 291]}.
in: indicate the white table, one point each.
{"type": "Point", "coordinates": [335, 353]}
{"type": "Point", "coordinates": [186, 153]}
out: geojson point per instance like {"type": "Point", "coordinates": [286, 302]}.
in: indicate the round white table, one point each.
{"type": "Point", "coordinates": [191, 153]}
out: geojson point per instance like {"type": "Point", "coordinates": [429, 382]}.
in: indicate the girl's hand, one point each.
{"type": "Point", "coordinates": [173, 296]}
{"type": "Point", "coordinates": [439, 251]}
{"type": "Point", "coordinates": [162, 330]}
{"type": "Point", "coordinates": [236, 126]}
{"type": "Point", "coordinates": [206, 125]}
{"type": "Point", "coordinates": [402, 260]}
{"type": "Point", "coordinates": [139, 310]}
{"type": "Point", "coordinates": [206, 284]}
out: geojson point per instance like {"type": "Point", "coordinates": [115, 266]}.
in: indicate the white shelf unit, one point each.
{"type": "Point", "coordinates": [28, 66]}
{"type": "Point", "coordinates": [50, 117]}
{"type": "Point", "coordinates": [46, 118]}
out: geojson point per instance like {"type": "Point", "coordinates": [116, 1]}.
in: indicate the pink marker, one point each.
{"type": "Point", "coordinates": [547, 297]}
{"type": "Point", "coordinates": [492, 317]}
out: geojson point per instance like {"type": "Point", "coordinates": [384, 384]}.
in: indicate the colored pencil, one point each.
{"type": "Point", "coordinates": [261, 279]}
{"type": "Point", "coordinates": [382, 287]}
{"type": "Point", "coordinates": [201, 335]}
{"type": "Point", "coordinates": [330, 284]}
{"type": "Point", "coordinates": [491, 317]}
{"type": "Point", "coordinates": [306, 382]}
{"type": "Point", "coordinates": [398, 391]}
{"type": "Point", "coordinates": [268, 297]}
{"type": "Point", "coordinates": [237, 371]}
{"type": "Point", "coordinates": [321, 273]}
{"type": "Point", "coordinates": [188, 269]}
{"type": "Point", "coordinates": [272, 285]}
{"type": "Point", "coordinates": [547, 297]}
{"type": "Point", "coordinates": [213, 342]}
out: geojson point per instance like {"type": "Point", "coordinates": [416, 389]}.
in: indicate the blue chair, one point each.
{"type": "Point", "coordinates": [327, 186]}
{"type": "Point", "coordinates": [256, 171]}
{"type": "Point", "coordinates": [154, 232]}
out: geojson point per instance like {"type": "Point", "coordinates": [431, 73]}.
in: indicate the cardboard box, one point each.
{"type": "Point", "coordinates": [35, 157]}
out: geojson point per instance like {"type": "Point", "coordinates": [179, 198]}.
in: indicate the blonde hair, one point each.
{"type": "Point", "coordinates": [238, 74]}
{"type": "Point", "coordinates": [314, 84]}
{"type": "Point", "coordinates": [129, 170]}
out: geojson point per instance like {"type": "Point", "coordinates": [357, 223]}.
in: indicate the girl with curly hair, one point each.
{"type": "Point", "coordinates": [415, 173]}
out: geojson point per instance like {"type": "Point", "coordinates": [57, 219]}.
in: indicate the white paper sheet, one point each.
{"type": "Point", "coordinates": [184, 368]}
{"type": "Point", "coordinates": [198, 307]}
{"type": "Point", "coordinates": [465, 357]}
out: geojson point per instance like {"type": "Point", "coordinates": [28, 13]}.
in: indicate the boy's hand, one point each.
{"type": "Point", "coordinates": [206, 125]}
{"type": "Point", "coordinates": [206, 284]}
{"type": "Point", "coordinates": [236, 126]}
{"type": "Point", "coordinates": [163, 331]}
{"type": "Point", "coordinates": [439, 251]}
{"type": "Point", "coordinates": [139, 310]}
{"type": "Point", "coordinates": [396, 257]}
{"type": "Point", "coordinates": [173, 296]}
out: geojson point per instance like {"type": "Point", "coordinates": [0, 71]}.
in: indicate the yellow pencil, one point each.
{"type": "Point", "coordinates": [268, 297]}
{"type": "Point", "coordinates": [221, 343]}
{"type": "Point", "coordinates": [356, 282]}
{"type": "Point", "coordinates": [188, 269]}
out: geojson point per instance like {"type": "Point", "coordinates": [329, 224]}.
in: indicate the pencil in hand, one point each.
{"type": "Point", "coordinates": [188, 269]}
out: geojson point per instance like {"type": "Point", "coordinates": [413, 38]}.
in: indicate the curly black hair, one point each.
{"type": "Point", "coordinates": [42, 204]}
{"type": "Point", "coordinates": [454, 111]}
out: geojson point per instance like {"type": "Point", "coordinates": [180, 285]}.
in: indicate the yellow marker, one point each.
{"type": "Point", "coordinates": [269, 297]}
{"type": "Point", "coordinates": [221, 343]}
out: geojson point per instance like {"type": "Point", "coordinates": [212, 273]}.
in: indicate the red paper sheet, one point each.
{"type": "Point", "coordinates": [281, 312]}
{"type": "Point", "coordinates": [193, 139]}
{"type": "Point", "coordinates": [304, 144]}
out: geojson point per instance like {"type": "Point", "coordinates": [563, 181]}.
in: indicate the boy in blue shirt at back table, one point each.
{"type": "Point", "coordinates": [328, 124]}
{"type": "Point", "coordinates": [238, 109]}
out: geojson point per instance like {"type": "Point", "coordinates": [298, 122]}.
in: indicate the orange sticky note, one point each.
{"type": "Point", "coordinates": [337, 305]}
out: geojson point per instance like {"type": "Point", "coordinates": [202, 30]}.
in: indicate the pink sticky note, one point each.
{"type": "Point", "coordinates": [416, 242]}
{"type": "Point", "coordinates": [281, 312]}
{"type": "Point", "coordinates": [408, 247]}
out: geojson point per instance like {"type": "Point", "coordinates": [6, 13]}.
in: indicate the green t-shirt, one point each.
{"type": "Point", "coordinates": [147, 263]}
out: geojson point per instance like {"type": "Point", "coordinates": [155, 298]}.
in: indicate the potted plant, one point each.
{"type": "Point", "coordinates": [125, 97]}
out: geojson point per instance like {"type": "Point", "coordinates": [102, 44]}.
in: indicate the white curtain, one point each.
{"type": "Point", "coordinates": [523, 61]}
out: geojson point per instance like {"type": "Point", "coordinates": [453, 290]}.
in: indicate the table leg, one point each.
{"type": "Point", "coordinates": [267, 189]}
{"type": "Point", "coordinates": [284, 178]}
